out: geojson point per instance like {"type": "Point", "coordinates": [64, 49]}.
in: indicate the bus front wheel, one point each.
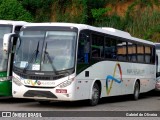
{"type": "Point", "coordinates": [95, 95]}
{"type": "Point", "coordinates": [136, 91]}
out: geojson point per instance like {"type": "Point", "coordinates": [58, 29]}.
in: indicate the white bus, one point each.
{"type": "Point", "coordinates": [69, 62]}
{"type": "Point", "coordinates": [6, 58]}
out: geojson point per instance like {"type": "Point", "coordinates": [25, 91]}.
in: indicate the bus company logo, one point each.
{"type": "Point", "coordinates": [32, 82]}
{"type": "Point", "coordinates": [112, 78]}
{"type": "Point", "coordinates": [39, 82]}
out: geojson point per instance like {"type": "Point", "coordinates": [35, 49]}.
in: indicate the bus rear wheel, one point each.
{"type": "Point", "coordinates": [136, 91]}
{"type": "Point", "coordinates": [95, 95]}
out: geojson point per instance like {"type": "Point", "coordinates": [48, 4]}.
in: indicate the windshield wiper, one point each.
{"type": "Point", "coordinates": [34, 55]}
{"type": "Point", "coordinates": [49, 58]}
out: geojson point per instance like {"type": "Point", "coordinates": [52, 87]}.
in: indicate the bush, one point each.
{"type": "Point", "coordinates": [143, 23]}
{"type": "Point", "coordinates": [69, 11]}
{"type": "Point", "coordinates": [40, 9]}
{"type": "Point", "coordinates": [13, 10]}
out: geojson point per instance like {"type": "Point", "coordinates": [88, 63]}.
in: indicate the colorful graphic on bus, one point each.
{"type": "Point", "coordinates": [32, 82]}
{"type": "Point", "coordinates": [112, 78]}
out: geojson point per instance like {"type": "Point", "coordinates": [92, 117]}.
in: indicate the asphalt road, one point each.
{"type": "Point", "coordinates": [148, 102]}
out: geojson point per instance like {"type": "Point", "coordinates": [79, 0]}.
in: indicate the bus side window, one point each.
{"type": "Point", "coordinates": [83, 48]}
{"type": "Point", "coordinates": [148, 54]}
{"type": "Point", "coordinates": [97, 46]}
{"type": "Point", "coordinates": [132, 54]}
{"type": "Point", "coordinates": [140, 53]}
{"type": "Point", "coordinates": [152, 60]}
{"type": "Point", "coordinates": [110, 51]}
{"type": "Point", "coordinates": [121, 50]}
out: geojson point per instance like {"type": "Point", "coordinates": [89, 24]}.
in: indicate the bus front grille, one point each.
{"type": "Point", "coordinates": [40, 77]}
{"type": "Point", "coordinates": [35, 93]}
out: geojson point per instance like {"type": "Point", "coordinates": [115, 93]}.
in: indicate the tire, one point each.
{"type": "Point", "coordinates": [95, 95]}
{"type": "Point", "coordinates": [136, 91]}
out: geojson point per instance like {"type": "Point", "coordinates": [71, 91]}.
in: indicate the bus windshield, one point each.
{"type": "Point", "coordinates": [45, 50]}
{"type": "Point", "coordinates": [3, 55]}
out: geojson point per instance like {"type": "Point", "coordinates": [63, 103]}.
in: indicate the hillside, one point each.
{"type": "Point", "coordinates": [141, 18]}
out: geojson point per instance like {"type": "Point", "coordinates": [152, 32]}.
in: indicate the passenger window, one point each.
{"type": "Point", "coordinates": [97, 46]}
{"type": "Point", "coordinates": [152, 55]}
{"type": "Point", "coordinates": [115, 49]}
{"type": "Point", "coordinates": [148, 54]}
{"type": "Point", "coordinates": [110, 51]}
{"type": "Point", "coordinates": [121, 50]}
{"type": "Point", "coordinates": [132, 55]}
{"type": "Point", "coordinates": [140, 53]}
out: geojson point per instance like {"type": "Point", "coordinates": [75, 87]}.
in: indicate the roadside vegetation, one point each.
{"type": "Point", "coordinates": [141, 18]}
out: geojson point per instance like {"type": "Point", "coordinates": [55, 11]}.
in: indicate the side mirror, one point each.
{"type": "Point", "coordinates": [7, 41]}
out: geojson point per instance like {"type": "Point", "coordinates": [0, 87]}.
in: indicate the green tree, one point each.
{"type": "Point", "coordinates": [94, 4]}
{"type": "Point", "coordinates": [69, 11]}
{"type": "Point", "coordinates": [13, 10]}
{"type": "Point", "coordinates": [40, 9]}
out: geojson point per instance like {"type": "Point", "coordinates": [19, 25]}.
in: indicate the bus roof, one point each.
{"type": "Point", "coordinates": [157, 43]}
{"type": "Point", "coordinates": [157, 46]}
{"type": "Point", "coordinates": [105, 30]}
{"type": "Point", "coordinates": [10, 22]}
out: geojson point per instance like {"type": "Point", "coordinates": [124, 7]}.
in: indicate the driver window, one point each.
{"type": "Point", "coordinates": [83, 48]}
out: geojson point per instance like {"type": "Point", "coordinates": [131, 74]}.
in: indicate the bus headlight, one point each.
{"type": "Point", "coordinates": [16, 81]}
{"type": "Point", "coordinates": [66, 83]}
